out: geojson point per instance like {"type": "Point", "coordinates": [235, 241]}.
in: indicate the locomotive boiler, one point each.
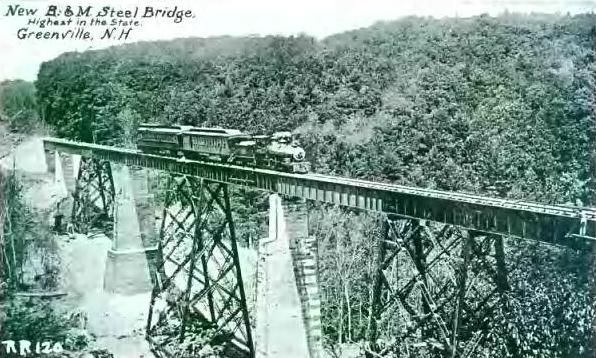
{"type": "Point", "coordinates": [280, 151]}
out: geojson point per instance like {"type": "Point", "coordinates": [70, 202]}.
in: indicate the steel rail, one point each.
{"type": "Point", "coordinates": [550, 223]}
{"type": "Point", "coordinates": [569, 211]}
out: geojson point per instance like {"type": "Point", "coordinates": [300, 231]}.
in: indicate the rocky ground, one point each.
{"type": "Point", "coordinates": [8, 140]}
{"type": "Point", "coordinates": [115, 321]}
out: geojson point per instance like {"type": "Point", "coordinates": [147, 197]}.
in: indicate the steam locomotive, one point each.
{"type": "Point", "coordinates": [280, 151]}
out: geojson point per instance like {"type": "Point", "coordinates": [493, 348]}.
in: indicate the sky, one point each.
{"type": "Point", "coordinates": [20, 58]}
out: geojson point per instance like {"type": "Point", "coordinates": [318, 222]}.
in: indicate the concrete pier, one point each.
{"type": "Point", "coordinates": [287, 306]}
{"type": "Point", "coordinates": [127, 268]}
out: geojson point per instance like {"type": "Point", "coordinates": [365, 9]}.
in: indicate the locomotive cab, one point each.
{"type": "Point", "coordinates": [244, 150]}
{"type": "Point", "coordinates": [282, 137]}
{"type": "Point", "coordinates": [261, 139]}
{"type": "Point", "coordinates": [261, 143]}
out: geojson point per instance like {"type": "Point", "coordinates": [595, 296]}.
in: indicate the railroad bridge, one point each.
{"type": "Point", "coordinates": [193, 248]}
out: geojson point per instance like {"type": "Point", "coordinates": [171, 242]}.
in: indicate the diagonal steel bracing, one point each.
{"type": "Point", "coordinates": [199, 280]}
{"type": "Point", "coordinates": [435, 286]}
{"type": "Point", "coordinates": [93, 196]}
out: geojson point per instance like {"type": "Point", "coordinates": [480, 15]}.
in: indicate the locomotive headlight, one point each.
{"type": "Point", "coordinates": [298, 154]}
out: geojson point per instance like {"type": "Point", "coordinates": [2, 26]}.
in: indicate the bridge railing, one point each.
{"type": "Point", "coordinates": [549, 223]}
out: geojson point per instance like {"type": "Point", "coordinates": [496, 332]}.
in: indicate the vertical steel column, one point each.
{"type": "Point", "coordinates": [502, 282]}
{"type": "Point", "coordinates": [375, 305]}
{"type": "Point", "coordinates": [461, 290]}
{"type": "Point", "coordinates": [419, 257]}
{"type": "Point", "coordinates": [198, 212]}
{"type": "Point", "coordinates": [197, 209]}
{"type": "Point", "coordinates": [93, 195]}
{"type": "Point", "coordinates": [245, 317]}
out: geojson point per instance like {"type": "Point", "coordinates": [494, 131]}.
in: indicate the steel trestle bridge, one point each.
{"type": "Point", "coordinates": [557, 224]}
{"type": "Point", "coordinates": [435, 252]}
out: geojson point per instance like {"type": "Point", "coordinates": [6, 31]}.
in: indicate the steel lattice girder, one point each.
{"type": "Point", "coordinates": [198, 267]}
{"type": "Point", "coordinates": [559, 224]}
{"type": "Point", "coordinates": [93, 196]}
{"type": "Point", "coordinates": [438, 276]}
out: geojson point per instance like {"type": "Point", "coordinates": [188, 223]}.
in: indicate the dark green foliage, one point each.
{"type": "Point", "coordinates": [502, 106]}
{"type": "Point", "coordinates": [18, 105]}
{"type": "Point", "coordinates": [38, 320]}
{"type": "Point", "coordinates": [459, 104]}
{"type": "Point", "coordinates": [250, 215]}
{"type": "Point", "coordinates": [33, 320]}
{"type": "Point", "coordinates": [549, 311]}
{"type": "Point", "coordinates": [22, 237]}
{"type": "Point", "coordinates": [478, 102]}
{"type": "Point", "coordinates": [15, 227]}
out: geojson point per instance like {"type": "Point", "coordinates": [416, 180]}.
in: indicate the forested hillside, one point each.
{"type": "Point", "coordinates": [497, 105]}
{"type": "Point", "coordinates": [501, 106]}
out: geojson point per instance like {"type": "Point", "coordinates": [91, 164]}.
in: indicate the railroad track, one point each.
{"type": "Point", "coordinates": [564, 210]}
{"type": "Point", "coordinates": [519, 218]}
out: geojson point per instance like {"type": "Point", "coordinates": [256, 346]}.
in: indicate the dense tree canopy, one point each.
{"type": "Point", "coordinates": [18, 105]}
{"type": "Point", "coordinates": [463, 104]}
{"type": "Point", "coordinates": [501, 106]}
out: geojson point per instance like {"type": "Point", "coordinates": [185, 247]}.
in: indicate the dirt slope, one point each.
{"type": "Point", "coordinates": [116, 321]}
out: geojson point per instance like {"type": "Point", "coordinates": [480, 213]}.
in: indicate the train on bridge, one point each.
{"type": "Point", "coordinates": [280, 151]}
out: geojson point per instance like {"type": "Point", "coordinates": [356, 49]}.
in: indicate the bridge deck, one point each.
{"type": "Point", "coordinates": [548, 223]}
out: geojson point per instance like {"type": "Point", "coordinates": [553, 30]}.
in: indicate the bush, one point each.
{"type": "Point", "coordinates": [15, 228]}
{"type": "Point", "coordinates": [33, 320]}
{"type": "Point", "coordinates": [18, 106]}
